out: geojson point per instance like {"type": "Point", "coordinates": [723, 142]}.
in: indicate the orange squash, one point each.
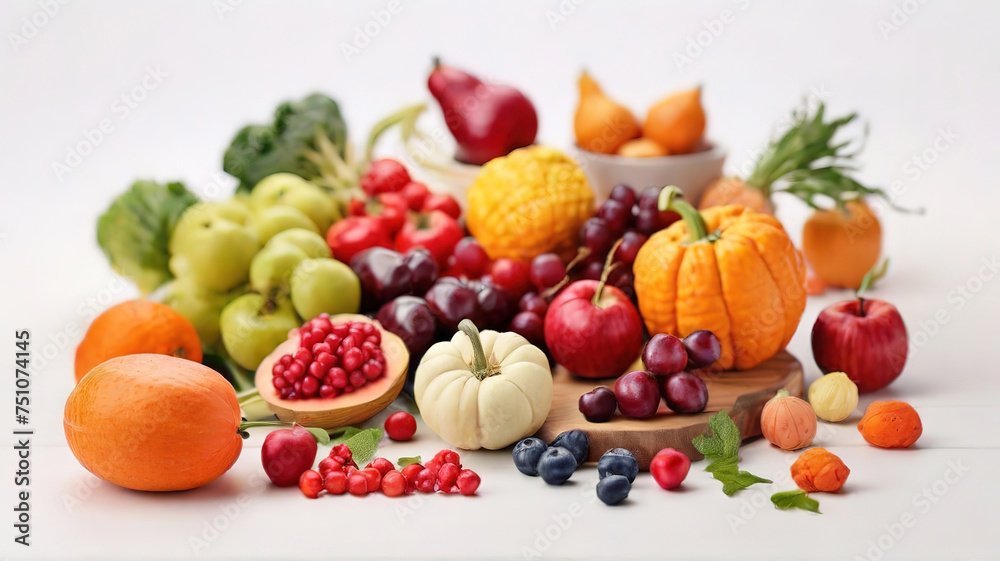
{"type": "Point", "coordinates": [730, 270]}
{"type": "Point", "coordinates": [153, 422]}
{"type": "Point", "coordinates": [136, 326]}
{"type": "Point", "coordinates": [842, 246]}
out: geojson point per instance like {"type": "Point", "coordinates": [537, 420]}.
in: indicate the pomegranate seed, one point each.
{"type": "Point", "coordinates": [333, 341]}
{"type": "Point", "coordinates": [468, 482]}
{"type": "Point", "coordinates": [348, 342]}
{"type": "Point", "coordinates": [310, 386]}
{"type": "Point", "coordinates": [371, 370]}
{"type": "Point", "coordinates": [278, 369]}
{"type": "Point", "coordinates": [320, 348]}
{"type": "Point", "coordinates": [434, 465]}
{"type": "Point", "coordinates": [327, 360]}
{"type": "Point", "coordinates": [307, 339]}
{"type": "Point", "coordinates": [393, 484]}
{"type": "Point", "coordinates": [357, 484]}
{"type": "Point", "coordinates": [425, 481]}
{"type": "Point", "coordinates": [328, 465]}
{"type": "Point", "coordinates": [341, 329]}
{"type": "Point", "coordinates": [286, 392]}
{"type": "Point", "coordinates": [447, 475]}
{"type": "Point", "coordinates": [295, 370]}
{"type": "Point", "coordinates": [383, 465]}
{"type": "Point", "coordinates": [322, 322]}
{"type": "Point", "coordinates": [353, 358]}
{"type": "Point", "coordinates": [316, 370]}
{"type": "Point", "coordinates": [310, 483]}
{"type": "Point", "coordinates": [335, 482]}
{"type": "Point", "coordinates": [338, 378]}
{"type": "Point", "coordinates": [297, 387]}
{"type": "Point", "coordinates": [449, 457]}
{"type": "Point", "coordinates": [279, 382]}
{"type": "Point", "coordinates": [373, 477]}
{"type": "Point", "coordinates": [358, 379]}
{"type": "Point", "coordinates": [303, 355]}
{"type": "Point", "coordinates": [447, 490]}
{"type": "Point", "coordinates": [342, 451]}
{"type": "Point", "coordinates": [326, 391]}
{"type": "Point", "coordinates": [348, 389]}
{"type": "Point", "coordinates": [410, 472]}
{"type": "Point", "coordinates": [285, 360]}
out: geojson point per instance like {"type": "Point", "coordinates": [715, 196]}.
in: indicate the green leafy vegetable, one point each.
{"type": "Point", "coordinates": [722, 447]}
{"type": "Point", "coordinates": [135, 230]}
{"type": "Point", "coordinates": [795, 499]}
{"type": "Point", "coordinates": [363, 443]}
{"type": "Point", "coordinates": [307, 138]}
{"type": "Point", "coordinates": [403, 462]}
{"type": "Point", "coordinates": [321, 436]}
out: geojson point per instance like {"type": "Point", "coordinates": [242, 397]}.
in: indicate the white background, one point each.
{"type": "Point", "coordinates": [933, 73]}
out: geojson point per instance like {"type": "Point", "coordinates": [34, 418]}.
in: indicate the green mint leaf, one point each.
{"type": "Point", "coordinates": [726, 465]}
{"type": "Point", "coordinates": [724, 428]}
{"type": "Point", "coordinates": [364, 445]}
{"type": "Point", "coordinates": [339, 436]}
{"type": "Point", "coordinates": [722, 447]}
{"type": "Point", "coordinates": [732, 482]}
{"type": "Point", "coordinates": [320, 435]}
{"type": "Point", "coordinates": [403, 462]}
{"type": "Point", "coordinates": [795, 499]}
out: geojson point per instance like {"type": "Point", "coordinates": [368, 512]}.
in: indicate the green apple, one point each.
{"type": "Point", "coordinates": [201, 306]}
{"type": "Point", "coordinates": [274, 219]}
{"type": "Point", "coordinates": [310, 242]}
{"type": "Point", "coordinates": [252, 326]}
{"type": "Point", "coordinates": [291, 190]}
{"type": "Point", "coordinates": [201, 215]}
{"type": "Point", "coordinates": [272, 267]}
{"type": "Point", "coordinates": [216, 255]}
{"type": "Point", "coordinates": [325, 285]}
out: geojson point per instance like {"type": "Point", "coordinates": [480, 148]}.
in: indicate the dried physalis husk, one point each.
{"type": "Point", "coordinates": [833, 397]}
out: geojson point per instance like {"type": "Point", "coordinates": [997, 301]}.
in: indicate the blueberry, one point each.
{"type": "Point", "coordinates": [575, 441]}
{"type": "Point", "coordinates": [526, 455]}
{"type": "Point", "coordinates": [613, 489]}
{"type": "Point", "coordinates": [556, 465]}
{"type": "Point", "coordinates": [618, 461]}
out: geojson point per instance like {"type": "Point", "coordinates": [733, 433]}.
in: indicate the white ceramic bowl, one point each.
{"type": "Point", "coordinates": [691, 172]}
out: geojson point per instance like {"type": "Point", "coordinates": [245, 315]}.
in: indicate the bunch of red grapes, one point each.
{"type": "Point", "coordinates": [624, 216]}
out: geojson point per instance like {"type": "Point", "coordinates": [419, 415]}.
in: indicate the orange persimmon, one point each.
{"type": "Point", "coordinates": [841, 246]}
{"type": "Point", "coordinates": [890, 424]}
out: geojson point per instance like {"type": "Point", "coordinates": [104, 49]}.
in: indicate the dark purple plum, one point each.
{"type": "Point", "coordinates": [684, 392]}
{"type": "Point", "coordinates": [411, 318]}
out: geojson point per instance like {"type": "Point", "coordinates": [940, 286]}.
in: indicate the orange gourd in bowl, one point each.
{"type": "Point", "coordinates": [729, 270]}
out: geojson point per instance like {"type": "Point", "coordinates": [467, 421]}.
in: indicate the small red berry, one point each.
{"type": "Point", "coordinates": [448, 457]}
{"type": "Point", "coordinates": [425, 481]}
{"type": "Point", "coordinates": [393, 484]}
{"type": "Point", "coordinates": [400, 426]}
{"type": "Point", "coordinates": [373, 477]}
{"type": "Point", "coordinates": [310, 483]}
{"type": "Point", "coordinates": [335, 482]}
{"type": "Point", "coordinates": [357, 484]}
{"type": "Point", "coordinates": [382, 465]}
{"type": "Point", "coordinates": [468, 482]}
{"type": "Point", "coordinates": [341, 451]}
{"type": "Point", "coordinates": [327, 465]}
{"type": "Point", "coordinates": [433, 466]}
{"type": "Point", "coordinates": [447, 475]}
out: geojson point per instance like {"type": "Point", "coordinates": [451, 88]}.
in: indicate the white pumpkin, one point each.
{"type": "Point", "coordinates": [484, 390]}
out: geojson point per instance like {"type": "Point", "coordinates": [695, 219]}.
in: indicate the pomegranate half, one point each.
{"type": "Point", "coordinates": [345, 409]}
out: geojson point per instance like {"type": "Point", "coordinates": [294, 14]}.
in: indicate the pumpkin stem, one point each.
{"type": "Point", "coordinates": [781, 393]}
{"type": "Point", "coordinates": [696, 224]}
{"type": "Point", "coordinates": [608, 267]}
{"type": "Point", "coordinates": [480, 366]}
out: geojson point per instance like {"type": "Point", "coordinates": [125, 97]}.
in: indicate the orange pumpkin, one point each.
{"type": "Point", "coordinates": [154, 423]}
{"type": "Point", "coordinates": [730, 270]}
{"type": "Point", "coordinates": [136, 326]}
{"type": "Point", "coordinates": [842, 246]}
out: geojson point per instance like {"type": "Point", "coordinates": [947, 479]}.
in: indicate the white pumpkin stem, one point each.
{"type": "Point", "coordinates": [480, 367]}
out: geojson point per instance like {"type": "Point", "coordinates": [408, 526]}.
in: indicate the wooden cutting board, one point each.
{"type": "Point", "coordinates": [741, 394]}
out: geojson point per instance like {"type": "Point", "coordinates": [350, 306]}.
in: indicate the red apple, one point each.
{"type": "Point", "coordinates": [864, 338]}
{"type": "Point", "coordinates": [286, 453]}
{"type": "Point", "coordinates": [593, 337]}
